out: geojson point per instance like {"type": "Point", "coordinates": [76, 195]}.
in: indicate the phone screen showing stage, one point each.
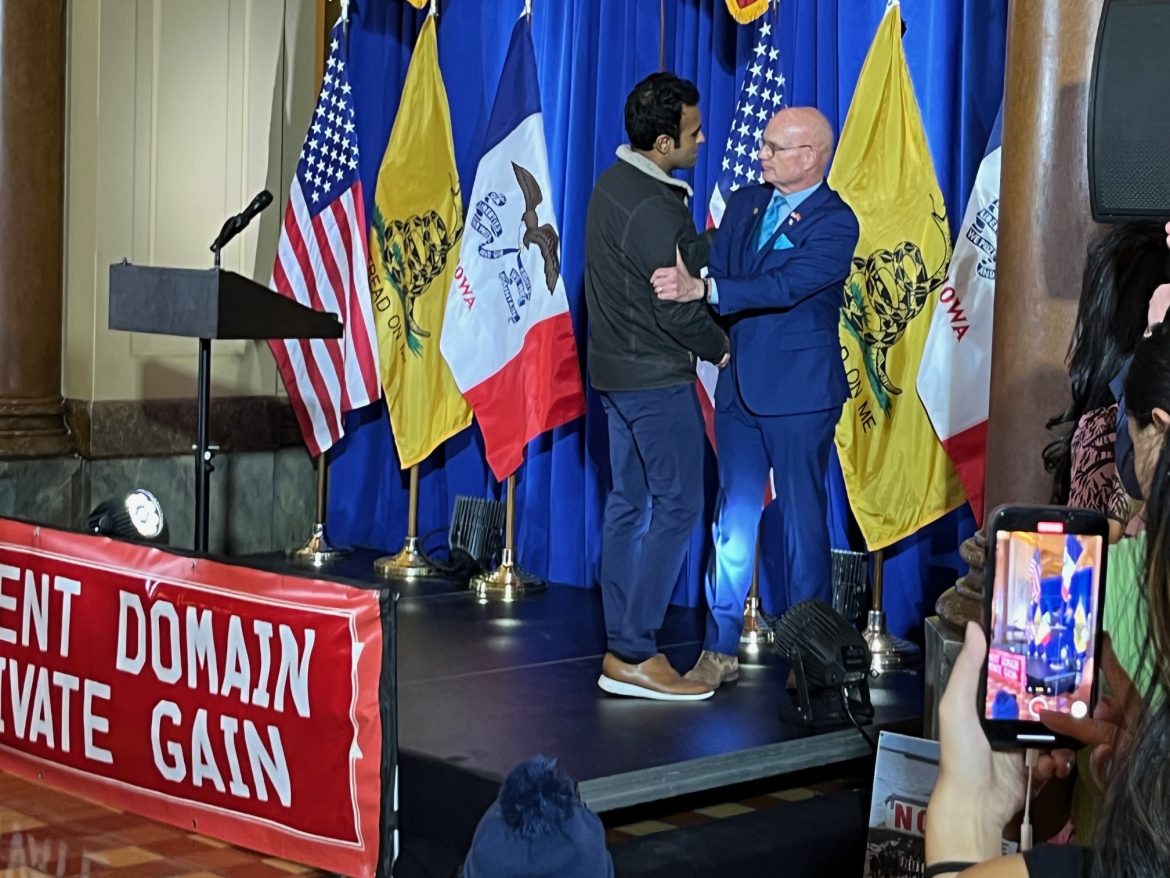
{"type": "Point", "coordinates": [1045, 604]}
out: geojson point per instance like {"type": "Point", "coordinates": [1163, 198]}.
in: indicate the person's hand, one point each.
{"type": "Point", "coordinates": [975, 781]}
{"type": "Point", "coordinates": [968, 767]}
{"type": "Point", "coordinates": [1113, 721]}
{"type": "Point", "coordinates": [1159, 303]}
{"type": "Point", "coordinates": [675, 283]}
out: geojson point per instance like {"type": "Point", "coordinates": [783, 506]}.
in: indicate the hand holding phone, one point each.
{"type": "Point", "coordinates": [1113, 721]}
{"type": "Point", "coordinates": [1042, 612]}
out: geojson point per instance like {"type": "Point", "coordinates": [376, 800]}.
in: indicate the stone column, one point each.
{"type": "Point", "coordinates": [32, 175]}
{"type": "Point", "coordinates": [1045, 230]}
{"type": "Point", "coordinates": [1044, 233]}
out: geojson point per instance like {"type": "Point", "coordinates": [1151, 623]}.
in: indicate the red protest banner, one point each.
{"type": "Point", "coordinates": [235, 702]}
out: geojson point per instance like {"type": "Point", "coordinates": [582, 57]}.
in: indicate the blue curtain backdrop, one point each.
{"type": "Point", "coordinates": [590, 53]}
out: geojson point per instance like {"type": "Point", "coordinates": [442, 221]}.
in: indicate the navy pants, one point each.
{"type": "Point", "coordinates": [796, 448]}
{"type": "Point", "coordinates": [656, 457]}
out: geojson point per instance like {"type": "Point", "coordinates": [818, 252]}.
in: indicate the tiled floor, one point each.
{"type": "Point", "coordinates": [47, 834]}
{"type": "Point", "coordinates": [709, 814]}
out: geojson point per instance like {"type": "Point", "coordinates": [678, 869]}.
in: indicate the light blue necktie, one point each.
{"type": "Point", "coordinates": [773, 216]}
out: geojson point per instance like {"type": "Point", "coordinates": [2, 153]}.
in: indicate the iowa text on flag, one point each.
{"type": "Point", "coordinates": [414, 246]}
{"type": "Point", "coordinates": [508, 334]}
{"type": "Point", "coordinates": [954, 379]}
{"type": "Point", "coordinates": [760, 97]}
{"type": "Point", "coordinates": [896, 473]}
{"type": "Point", "coordinates": [321, 263]}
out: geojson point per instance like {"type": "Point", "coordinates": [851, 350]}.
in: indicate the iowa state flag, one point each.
{"type": "Point", "coordinates": [896, 473]}
{"type": "Point", "coordinates": [954, 380]}
{"type": "Point", "coordinates": [414, 244]}
{"type": "Point", "coordinates": [508, 335]}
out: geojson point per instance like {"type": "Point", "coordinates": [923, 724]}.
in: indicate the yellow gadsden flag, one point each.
{"type": "Point", "coordinates": [414, 248]}
{"type": "Point", "coordinates": [896, 472]}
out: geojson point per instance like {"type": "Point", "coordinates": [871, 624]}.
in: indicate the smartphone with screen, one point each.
{"type": "Point", "coordinates": [1042, 602]}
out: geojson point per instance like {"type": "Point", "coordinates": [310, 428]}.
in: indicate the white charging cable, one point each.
{"type": "Point", "coordinates": [1031, 757]}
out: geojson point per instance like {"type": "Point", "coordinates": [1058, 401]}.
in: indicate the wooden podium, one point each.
{"type": "Point", "coordinates": [207, 304]}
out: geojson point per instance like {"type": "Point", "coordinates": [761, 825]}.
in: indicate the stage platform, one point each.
{"type": "Point", "coordinates": [484, 685]}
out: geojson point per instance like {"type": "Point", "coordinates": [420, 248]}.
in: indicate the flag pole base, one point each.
{"type": "Point", "coordinates": [317, 552]}
{"type": "Point", "coordinates": [507, 582]}
{"type": "Point", "coordinates": [410, 563]}
{"type": "Point", "coordinates": [887, 651]}
{"type": "Point", "coordinates": [756, 635]}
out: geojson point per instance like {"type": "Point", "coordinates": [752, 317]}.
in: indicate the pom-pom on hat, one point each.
{"type": "Point", "coordinates": [537, 828]}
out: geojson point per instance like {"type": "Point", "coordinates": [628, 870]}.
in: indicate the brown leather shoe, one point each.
{"type": "Point", "coordinates": [714, 668]}
{"type": "Point", "coordinates": [653, 678]}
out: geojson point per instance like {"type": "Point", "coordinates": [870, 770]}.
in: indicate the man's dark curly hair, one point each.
{"type": "Point", "coordinates": [655, 108]}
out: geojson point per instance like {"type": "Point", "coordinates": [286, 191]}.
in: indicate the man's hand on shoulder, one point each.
{"type": "Point", "coordinates": [675, 283]}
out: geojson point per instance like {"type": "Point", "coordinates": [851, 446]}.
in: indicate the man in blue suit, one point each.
{"type": "Point", "coordinates": [776, 276]}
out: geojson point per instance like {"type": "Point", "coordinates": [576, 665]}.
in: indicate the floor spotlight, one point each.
{"type": "Point", "coordinates": [136, 516]}
{"type": "Point", "coordinates": [830, 664]}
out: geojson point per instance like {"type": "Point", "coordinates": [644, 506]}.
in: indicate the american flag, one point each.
{"type": "Point", "coordinates": [1035, 575]}
{"type": "Point", "coordinates": [761, 95]}
{"type": "Point", "coordinates": [321, 262]}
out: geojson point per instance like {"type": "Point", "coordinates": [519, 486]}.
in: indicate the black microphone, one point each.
{"type": "Point", "coordinates": [239, 222]}
{"type": "Point", "coordinates": [260, 202]}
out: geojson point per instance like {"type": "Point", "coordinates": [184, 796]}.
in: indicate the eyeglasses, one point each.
{"type": "Point", "coordinates": [769, 149]}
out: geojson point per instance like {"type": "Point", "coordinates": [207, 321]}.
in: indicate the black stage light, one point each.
{"type": "Point", "coordinates": [136, 516]}
{"type": "Point", "coordinates": [477, 532]}
{"type": "Point", "coordinates": [830, 664]}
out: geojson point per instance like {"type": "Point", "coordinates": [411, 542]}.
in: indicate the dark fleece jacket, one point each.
{"type": "Point", "coordinates": [637, 215]}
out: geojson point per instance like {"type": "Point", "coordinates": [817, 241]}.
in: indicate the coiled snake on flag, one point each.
{"type": "Point", "coordinates": [883, 294]}
{"type": "Point", "coordinates": [414, 252]}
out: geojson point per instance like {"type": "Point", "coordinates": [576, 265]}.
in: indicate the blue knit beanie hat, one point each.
{"type": "Point", "coordinates": [538, 828]}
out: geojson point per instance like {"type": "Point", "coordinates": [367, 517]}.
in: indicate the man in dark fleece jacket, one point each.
{"type": "Point", "coordinates": [642, 354]}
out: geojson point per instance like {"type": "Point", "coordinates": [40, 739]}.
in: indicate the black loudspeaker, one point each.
{"type": "Point", "coordinates": [1129, 122]}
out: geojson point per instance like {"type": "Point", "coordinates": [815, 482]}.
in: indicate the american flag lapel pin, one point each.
{"type": "Point", "coordinates": [794, 218]}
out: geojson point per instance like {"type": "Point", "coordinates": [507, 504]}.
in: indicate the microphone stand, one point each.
{"type": "Point", "coordinates": [204, 451]}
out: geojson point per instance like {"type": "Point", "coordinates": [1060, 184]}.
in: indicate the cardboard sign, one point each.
{"type": "Point", "coordinates": [903, 779]}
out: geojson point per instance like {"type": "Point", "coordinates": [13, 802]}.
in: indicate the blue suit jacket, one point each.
{"type": "Point", "coordinates": [783, 302]}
